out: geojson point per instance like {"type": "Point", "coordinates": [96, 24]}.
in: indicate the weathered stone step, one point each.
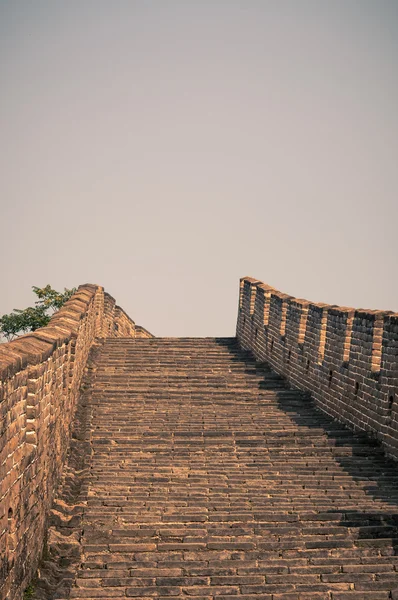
{"type": "Point", "coordinates": [210, 479]}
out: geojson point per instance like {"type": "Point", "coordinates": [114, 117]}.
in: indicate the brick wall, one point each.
{"type": "Point", "coordinates": [141, 332]}
{"type": "Point", "coordinates": [346, 358]}
{"type": "Point", "coordinates": [40, 377]}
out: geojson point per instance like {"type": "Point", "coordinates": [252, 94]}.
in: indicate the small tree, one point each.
{"type": "Point", "coordinates": [31, 318]}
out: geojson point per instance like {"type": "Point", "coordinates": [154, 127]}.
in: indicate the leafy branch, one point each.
{"type": "Point", "coordinates": [21, 321]}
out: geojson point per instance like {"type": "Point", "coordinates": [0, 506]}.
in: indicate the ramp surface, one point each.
{"type": "Point", "coordinates": [211, 480]}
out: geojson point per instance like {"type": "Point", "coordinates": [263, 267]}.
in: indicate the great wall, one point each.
{"type": "Point", "coordinates": [260, 467]}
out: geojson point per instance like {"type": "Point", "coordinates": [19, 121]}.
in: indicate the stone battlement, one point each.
{"type": "Point", "coordinates": [346, 358]}
{"type": "Point", "coordinates": [40, 378]}
{"type": "Point", "coordinates": [78, 425]}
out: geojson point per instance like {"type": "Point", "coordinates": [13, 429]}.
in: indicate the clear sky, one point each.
{"type": "Point", "coordinates": [166, 148]}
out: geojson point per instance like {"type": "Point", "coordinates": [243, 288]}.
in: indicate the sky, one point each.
{"type": "Point", "coordinates": [165, 148]}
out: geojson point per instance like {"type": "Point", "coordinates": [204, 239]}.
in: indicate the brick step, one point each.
{"type": "Point", "coordinates": [204, 378]}
{"type": "Point", "coordinates": [168, 361]}
{"type": "Point", "coordinates": [121, 544]}
{"type": "Point", "coordinates": [126, 536]}
{"type": "Point", "coordinates": [184, 386]}
{"type": "Point", "coordinates": [211, 479]}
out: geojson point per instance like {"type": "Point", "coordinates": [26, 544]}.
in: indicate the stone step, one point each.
{"type": "Point", "coordinates": [211, 479]}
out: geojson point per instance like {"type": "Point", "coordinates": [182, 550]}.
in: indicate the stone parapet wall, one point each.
{"type": "Point", "coordinates": [116, 323]}
{"type": "Point", "coordinates": [40, 378]}
{"type": "Point", "coordinates": [141, 332]}
{"type": "Point", "coordinates": [346, 358]}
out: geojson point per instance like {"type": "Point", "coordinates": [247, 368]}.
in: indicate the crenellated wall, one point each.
{"type": "Point", "coordinates": [346, 358]}
{"type": "Point", "coordinates": [40, 378]}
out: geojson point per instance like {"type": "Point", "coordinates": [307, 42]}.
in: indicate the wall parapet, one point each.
{"type": "Point", "coordinates": [40, 379]}
{"type": "Point", "coordinates": [346, 358]}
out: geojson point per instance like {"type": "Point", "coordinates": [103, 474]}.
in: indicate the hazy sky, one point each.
{"type": "Point", "coordinates": [164, 149]}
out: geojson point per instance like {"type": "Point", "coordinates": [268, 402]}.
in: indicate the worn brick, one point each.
{"type": "Point", "coordinates": [196, 470]}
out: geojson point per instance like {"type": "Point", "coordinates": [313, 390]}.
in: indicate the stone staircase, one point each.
{"type": "Point", "coordinates": [210, 479]}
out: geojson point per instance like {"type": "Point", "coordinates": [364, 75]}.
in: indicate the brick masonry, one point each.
{"type": "Point", "coordinates": [346, 358]}
{"type": "Point", "coordinates": [204, 477]}
{"type": "Point", "coordinates": [40, 375]}
{"type": "Point", "coordinates": [193, 470]}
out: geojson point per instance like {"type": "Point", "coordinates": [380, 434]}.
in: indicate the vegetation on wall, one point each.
{"type": "Point", "coordinates": [21, 321]}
